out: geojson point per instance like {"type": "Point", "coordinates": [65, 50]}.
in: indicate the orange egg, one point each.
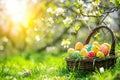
{"type": "Point", "coordinates": [78, 46]}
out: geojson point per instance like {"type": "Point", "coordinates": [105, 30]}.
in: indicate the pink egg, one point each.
{"type": "Point", "coordinates": [104, 49]}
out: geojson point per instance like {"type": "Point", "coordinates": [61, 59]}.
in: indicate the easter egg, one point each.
{"type": "Point", "coordinates": [100, 54]}
{"type": "Point", "coordinates": [78, 46]}
{"type": "Point", "coordinates": [90, 54]}
{"type": "Point", "coordinates": [89, 48]}
{"type": "Point", "coordinates": [76, 54]}
{"type": "Point", "coordinates": [70, 50]}
{"type": "Point", "coordinates": [104, 49]}
{"type": "Point", "coordinates": [108, 46]}
{"type": "Point", "coordinates": [95, 48]}
{"type": "Point", "coordinates": [84, 52]}
{"type": "Point", "coordinates": [96, 43]}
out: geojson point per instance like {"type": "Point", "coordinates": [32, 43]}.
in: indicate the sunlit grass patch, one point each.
{"type": "Point", "coordinates": [43, 66]}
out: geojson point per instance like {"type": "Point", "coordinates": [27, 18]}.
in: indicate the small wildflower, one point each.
{"type": "Point", "coordinates": [65, 43]}
{"type": "Point", "coordinates": [59, 11]}
{"type": "Point", "coordinates": [101, 69]}
{"type": "Point", "coordinates": [20, 73]}
{"type": "Point", "coordinates": [67, 21]}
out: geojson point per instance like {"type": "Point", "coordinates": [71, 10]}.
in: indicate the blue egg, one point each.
{"type": "Point", "coordinates": [89, 48]}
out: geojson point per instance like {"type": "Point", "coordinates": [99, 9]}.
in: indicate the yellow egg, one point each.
{"type": "Point", "coordinates": [84, 52]}
{"type": "Point", "coordinates": [95, 48]}
{"type": "Point", "coordinates": [100, 54]}
{"type": "Point", "coordinates": [70, 50]}
{"type": "Point", "coordinates": [96, 43]}
{"type": "Point", "coordinates": [108, 46]}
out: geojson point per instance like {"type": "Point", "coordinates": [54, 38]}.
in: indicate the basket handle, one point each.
{"type": "Point", "coordinates": [112, 51]}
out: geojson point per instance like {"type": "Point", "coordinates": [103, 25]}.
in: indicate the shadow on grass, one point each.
{"type": "Point", "coordinates": [72, 74]}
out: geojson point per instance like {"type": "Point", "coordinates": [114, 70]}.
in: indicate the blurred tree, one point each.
{"type": "Point", "coordinates": [45, 23]}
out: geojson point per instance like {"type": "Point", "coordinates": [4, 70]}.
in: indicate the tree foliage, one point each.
{"type": "Point", "coordinates": [54, 20]}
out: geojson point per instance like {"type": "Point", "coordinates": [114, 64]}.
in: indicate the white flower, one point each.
{"type": "Point", "coordinates": [62, 1]}
{"type": "Point", "coordinates": [65, 43]}
{"type": "Point", "coordinates": [50, 20]}
{"type": "Point", "coordinates": [85, 18]}
{"type": "Point", "coordinates": [20, 73]}
{"type": "Point", "coordinates": [49, 10]}
{"type": "Point", "coordinates": [80, 2]}
{"type": "Point", "coordinates": [67, 21]}
{"type": "Point", "coordinates": [101, 69]}
{"type": "Point", "coordinates": [59, 11]}
{"type": "Point", "coordinates": [90, 7]}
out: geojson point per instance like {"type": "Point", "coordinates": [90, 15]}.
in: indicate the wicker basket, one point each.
{"type": "Point", "coordinates": [89, 65]}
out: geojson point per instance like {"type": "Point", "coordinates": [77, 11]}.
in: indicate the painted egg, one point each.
{"type": "Point", "coordinates": [70, 50]}
{"type": "Point", "coordinates": [100, 54]}
{"type": "Point", "coordinates": [95, 48]}
{"type": "Point", "coordinates": [104, 49]}
{"type": "Point", "coordinates": [91, 54]}
{"type": "Point", "coordinates": [96, 43]}
{"type": "Point", "coordinates": [108, 46]}
{"type": "Point", "coordinates": [84, 52]}
{"type": "Point", "coordinates": [76, 54]}
{"type": "Point", "coordinates": [78, 46]}
{"type": "Point", "coordinates": [89, 48]}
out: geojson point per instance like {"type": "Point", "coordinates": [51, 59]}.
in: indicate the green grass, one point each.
{"type": "Point", "coordinates": [39, 66]}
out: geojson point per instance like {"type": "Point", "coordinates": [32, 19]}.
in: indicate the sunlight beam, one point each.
{"type": "Point", "coordinates": [18, 11]}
